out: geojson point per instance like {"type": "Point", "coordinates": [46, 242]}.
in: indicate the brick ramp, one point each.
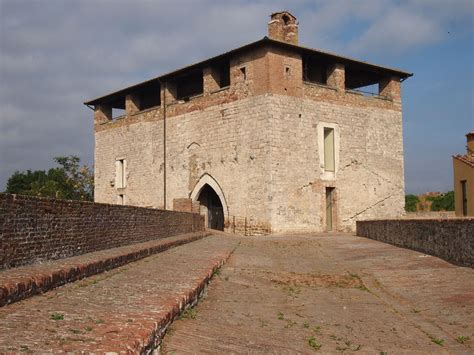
{"type": "Point", "coordinates": [124, 310]}
{"type": "Point", "coordinates": [22, 282]}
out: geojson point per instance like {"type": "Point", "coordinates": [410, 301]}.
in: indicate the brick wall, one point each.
{"type": "Point", "coordinates": [449, 239]}
{"type": "Point", "coordinates": [36, 229]}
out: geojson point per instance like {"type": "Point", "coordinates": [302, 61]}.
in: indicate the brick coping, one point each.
{"type": "Point", "coordinates": [188, 299]}
{"type": "Point", "coordinates": [22, 282]}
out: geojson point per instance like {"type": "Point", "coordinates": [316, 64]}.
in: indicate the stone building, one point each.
{"type": "Point", "coordinates": [267, 137]}
{"type": "Point", "coordinates": [463, 166]}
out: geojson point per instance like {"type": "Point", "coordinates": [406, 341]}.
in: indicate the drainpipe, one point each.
{"type": "Point", "coordinates": [163, 85]}
{"type": "Point", "coordinates": [164, 147]}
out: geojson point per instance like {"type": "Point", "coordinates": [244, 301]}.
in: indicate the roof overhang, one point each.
{"type": "Point", "coordinates": [352, 63]}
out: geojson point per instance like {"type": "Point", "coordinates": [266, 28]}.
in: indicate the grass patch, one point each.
{"type": "Point", "coordinates": [313, 343]}
{"type": "Point", "coordinates": [57, 316]}
{"type": "Point", "coordinates": [24, 348]}
{"type": "Point", "coordinates": [437, 341]}
{"type": "Point", "coordinates": [190, 313]}
{"type": "Point", "coordinates": [280, 316]}
{"type": "Point", "coordinates": [462, 339]}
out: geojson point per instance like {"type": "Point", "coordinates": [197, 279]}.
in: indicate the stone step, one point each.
{"type": "Point", "coordinates": [126, 310]}
{"type": "Point", "coordinates": [22, 282]}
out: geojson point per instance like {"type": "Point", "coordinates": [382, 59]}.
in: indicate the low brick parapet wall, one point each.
{"type": "Point", "coordinates": [37, 229]}
{"type": "Point", "coordinates": [450, 239]}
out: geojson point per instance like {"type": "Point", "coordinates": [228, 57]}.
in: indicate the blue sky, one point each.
{"type": "Point", "coordinates": [55, 54]}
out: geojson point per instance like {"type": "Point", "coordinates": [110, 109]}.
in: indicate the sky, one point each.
{"type": "Point", "coordinates": [56, 54]}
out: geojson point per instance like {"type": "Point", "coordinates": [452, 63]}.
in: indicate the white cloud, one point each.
{"type": "Point", "coordinates": [55, 54]}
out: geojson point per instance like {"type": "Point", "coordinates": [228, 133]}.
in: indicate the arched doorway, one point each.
{"type": "Point", "coordinates": [212, 207]}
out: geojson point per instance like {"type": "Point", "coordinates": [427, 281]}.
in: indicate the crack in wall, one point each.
{"type": "Point", "coordinates": [368, 208]}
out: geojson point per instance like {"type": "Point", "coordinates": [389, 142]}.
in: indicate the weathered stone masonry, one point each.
{"type": "Point", "coordinates": [257, 138]}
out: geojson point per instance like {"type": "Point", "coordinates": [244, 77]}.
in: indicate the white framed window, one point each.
{"type": "Point", "coordinates": [120, 173]}
{"type": "Point", "coordinates": [328, 149]}
{"type": "Point", "coordinates": [329, 156]}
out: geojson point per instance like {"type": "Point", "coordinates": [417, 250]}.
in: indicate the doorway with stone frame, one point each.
{"type": "Point", "coordinates": [211, 206]}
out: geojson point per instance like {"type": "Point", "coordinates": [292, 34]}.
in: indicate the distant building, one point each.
{"type": "Point", "coordinates": [268, 137]}
{"type": "Point", "coordinates": [464, 179]}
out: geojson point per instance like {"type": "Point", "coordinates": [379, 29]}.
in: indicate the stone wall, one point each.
{"type": "Point", "coordinates": [449, 239]}
{"type": "Point", "coordinates": [37, 229]}
{"type": "Point", "coordinates": [265, 154]}
{"type": "Point", "coordinates": [368, 176]}
{"type": "Point", "coordinates": [261, 141]}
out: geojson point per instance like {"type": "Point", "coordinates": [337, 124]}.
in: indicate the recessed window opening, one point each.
{"type": "Point", "coordinates": [121, 199]}
{"type": "Point", "coordinates": [221, 74]}
{"type": "Point", "coordinates": [120, 173]}
{"type": "Point", "coordinates": [117, 113]}
{"type": "Point", "coordinates": [287, 71]}
{"type": "Point", "coordinates": [362, 81]}
{"type": "Point", "coordinates": [118, 108]}
{"type": "Point", "coordinates": [329, 156]}
{"type": "Point", "coordinates": [150, 98]}
{"type": "Point", "coordinates": [314, 71]}
{"type": "Point", "coordinates": [243, 73]}
{"type": "Point", "coordinates": [286, 19]}
{"type": "Point", "coordinates": [189, 85]}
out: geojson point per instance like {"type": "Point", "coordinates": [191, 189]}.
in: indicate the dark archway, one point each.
{"type": "Point", "coordinates": [212, 205]}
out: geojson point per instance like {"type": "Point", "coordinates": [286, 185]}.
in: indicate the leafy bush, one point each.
{"type": "Point", "coordinates": [444, 202]}
{"type": "Point", "coordinates": [410, 203]}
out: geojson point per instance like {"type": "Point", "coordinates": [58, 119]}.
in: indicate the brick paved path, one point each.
{"type": "Point", "coordinates": [296, 294]}
{"type": "Point", "coordinates": [118, 310]}
{"type": "Point", "coordinates": [23, 282]}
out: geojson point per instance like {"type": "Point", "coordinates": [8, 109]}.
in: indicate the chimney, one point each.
{"type": "Point", "coordinates": [470, 143]}
{"type": "Point", "coordinates": [283, 27]}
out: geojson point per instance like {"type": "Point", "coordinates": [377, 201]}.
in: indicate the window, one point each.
{"type": "Point", "coordinates": [464, 197]}
{"type": "Point", "coordinates": [361, 81]}
{"type": "Point", "coordinates": [189, 85]}
{"type": "Point", "coordinates": [121, 199]}
{"type": "Point", "coordinates": [314, 71]}
{"type": "Point", "coordinates": [329, 161]}
{"type": "Point", "coordinates": [120, 173]}
{"type": "Point", "coordinates": [243, 73]}
{"type": "Point", "coordinates": [118, 107]}
{"type": "Point", "coordinates": [150, 98]}
{"type": "Point", "coordinates": [221, 74]}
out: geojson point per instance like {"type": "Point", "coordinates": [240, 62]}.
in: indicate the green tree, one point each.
{"type": "Point", "coordinates": [444, 202]}
{"type": "Point", "coordinates": [68, 181]}
{"type": "Point", "coordinates": [411, 202]}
